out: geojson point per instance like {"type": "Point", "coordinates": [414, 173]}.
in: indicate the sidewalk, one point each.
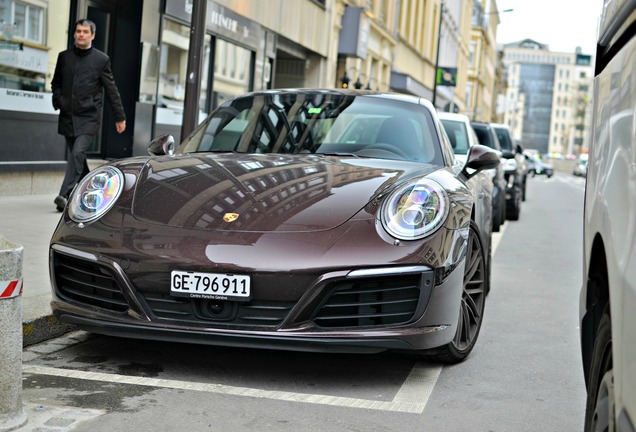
{"type": "Point", "coordinates": [29, 220]}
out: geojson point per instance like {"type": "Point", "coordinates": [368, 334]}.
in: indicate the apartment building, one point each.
{"type": "Point", "coordinates": [547, 98]}
{"type": "Point", "coordinates": [482, 61]}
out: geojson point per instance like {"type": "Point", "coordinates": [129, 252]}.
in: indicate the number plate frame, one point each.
{"type": "Point", "coordinates": [200, 285]}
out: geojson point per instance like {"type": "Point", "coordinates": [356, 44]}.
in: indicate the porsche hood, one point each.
{"type": "Point", "coordinates": [262, 193]}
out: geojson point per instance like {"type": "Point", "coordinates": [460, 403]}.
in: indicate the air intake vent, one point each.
{"type": "Point", "coordinates": [371, 302]}
{"type": "Point", "coordinates": [88, 283]}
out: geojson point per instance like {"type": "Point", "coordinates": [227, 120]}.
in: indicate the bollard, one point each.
{"type": "Point", "coordinates": [12, 414]}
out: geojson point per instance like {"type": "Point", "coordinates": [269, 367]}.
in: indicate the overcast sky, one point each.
{"type": "Point", "coordinates": [561, 24]}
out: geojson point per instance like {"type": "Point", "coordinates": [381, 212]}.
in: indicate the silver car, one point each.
{"type": "Point", "coordinates": [608, 295]}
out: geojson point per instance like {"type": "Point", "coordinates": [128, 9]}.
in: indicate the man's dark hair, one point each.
{"type": "Point", "coordinates": [85, 22]}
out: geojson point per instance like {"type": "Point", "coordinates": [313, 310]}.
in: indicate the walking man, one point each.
{"type": "Point", "coordinates": [81, 75]}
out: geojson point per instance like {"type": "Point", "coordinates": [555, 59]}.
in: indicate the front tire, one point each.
{"type": "Point", "coordinates": [523, 188]}
{"type": "Point", "coordinates": [513, 212]}
{"type": "Point", "coordinates": [498, 217]}
{"type": "Point", "coordinates": [599, 412]}
{"type": "Point", "coordinates": [471, 311]}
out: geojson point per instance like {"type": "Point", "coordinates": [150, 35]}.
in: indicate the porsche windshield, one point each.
{"type": "Point", "coordinates": [319, 123]}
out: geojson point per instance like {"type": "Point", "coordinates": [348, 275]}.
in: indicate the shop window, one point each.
{"type": "Point", "coordinates": [173, 65]}
{"type": "Point", "coordinates": [233, 71]}
{"type": "Point", "coordinates": [21, 20]}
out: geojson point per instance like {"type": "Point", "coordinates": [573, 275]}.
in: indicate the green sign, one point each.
{"type": "Point", "coordinates": [446, 76]}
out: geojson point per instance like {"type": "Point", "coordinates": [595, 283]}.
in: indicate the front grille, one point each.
{"type": "Point", "coordinates": [87, 283]}
{"type": "Point", "coordinates": [371, 302]}
{"type": "Point", "coordinates": [195, 311]}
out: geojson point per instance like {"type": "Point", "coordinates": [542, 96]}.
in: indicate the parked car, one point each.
{"type": "Point", "coordinates": [516, 166]}
{"type": "Point", "coordinates": [488, 137]}
{"type": "Point", "coordinates": [580, 167]}
{"type": "Point", "coordinates": [608, 294]}
{"type": "Point", "coordinates": [326, 220]}
{"type": "Point", "coordinates": [462, 136]}
{"type": "Point", "coordinates": [542, 168]}
{"type": "Point", "coordinates": [536, 166]}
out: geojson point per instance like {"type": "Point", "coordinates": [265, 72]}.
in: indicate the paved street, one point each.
{"type": "Point", "coordinates": [524, 374]}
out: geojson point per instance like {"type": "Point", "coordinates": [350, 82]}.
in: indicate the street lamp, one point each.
{"type": "Point", "coordinates": [439, 37]}
{"type": "Point", "coordinates": [345, 80]}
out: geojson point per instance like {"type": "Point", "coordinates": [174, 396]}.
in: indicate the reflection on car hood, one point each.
{"type": "Point", "coordinates": [262, 192]}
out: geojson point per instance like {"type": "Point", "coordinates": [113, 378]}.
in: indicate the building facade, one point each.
{"type": "Point", "coordinates": [482, 61]}
{"type": "Point", "coordinates": [248, 45]}
{"type": "Point", "coordinates": [547, 98]}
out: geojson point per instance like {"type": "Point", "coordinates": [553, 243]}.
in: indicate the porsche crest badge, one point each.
{"type": "Point", "coordinates": [230, 217]}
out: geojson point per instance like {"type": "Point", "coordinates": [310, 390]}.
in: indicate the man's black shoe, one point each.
{"type": "Point", "coordinates": [60, 203]}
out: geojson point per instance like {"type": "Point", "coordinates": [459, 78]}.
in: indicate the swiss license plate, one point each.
{"type": "Point", "coordinates": [216, 286]}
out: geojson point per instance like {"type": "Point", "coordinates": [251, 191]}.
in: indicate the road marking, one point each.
{"type": "Point", "coordinates": [411, 398]}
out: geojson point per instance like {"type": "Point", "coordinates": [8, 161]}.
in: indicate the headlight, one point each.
{"type": "Point", "coordinates": [96, 194]}
{"type": "Point", "coordinates": [415, 210]}
{"type": "Point", "coordinates": [510, 165]}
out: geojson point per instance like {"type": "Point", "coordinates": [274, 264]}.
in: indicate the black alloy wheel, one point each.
{"type": "Point", "coordinates": [599, 413]}
{"type": "Point", "coordinates": [471, 311]}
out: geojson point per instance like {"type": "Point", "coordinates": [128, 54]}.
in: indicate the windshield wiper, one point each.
{"type": "Point", "coordinates": [338, 154]}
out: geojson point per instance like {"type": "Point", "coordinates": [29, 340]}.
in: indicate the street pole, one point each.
{"type": "Point", "coordinates": [439, 37]}
{"type": "Point", "coordinates": [12, 415]}
{"type": "Point", "coordinates": [193, 73]}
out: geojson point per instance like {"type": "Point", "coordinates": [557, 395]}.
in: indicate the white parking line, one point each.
{"type": "Point", "coordinates": [496, 238]}
{"type": "Point", "coordinates": [411, 397]}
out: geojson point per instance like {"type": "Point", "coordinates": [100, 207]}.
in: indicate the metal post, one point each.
{"type": "Point", "coordinates": [193, 73]}
{"type": "Point", "coordinates": [12, 414]}
{"type": "Point", "coordinates": [439, 37]}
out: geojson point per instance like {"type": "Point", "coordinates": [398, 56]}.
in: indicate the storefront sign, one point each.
{"type": "Point", "coordinates": [219, 20]}
{"type": "Point", "coordinates": [354, 35]}
{"type": "Point", "coordinates": [28, 58]}
{"type": "Point", "coordinates": [27, 101]}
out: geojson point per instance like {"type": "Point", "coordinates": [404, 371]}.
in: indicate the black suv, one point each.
{"type": "Point", "coordinates": [488, 136]}
{"type": "Point", "coordinates": [516, 166]}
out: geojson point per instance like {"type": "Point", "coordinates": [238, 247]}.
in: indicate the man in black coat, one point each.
{"type": "Point", "coordinates": [82, 75]}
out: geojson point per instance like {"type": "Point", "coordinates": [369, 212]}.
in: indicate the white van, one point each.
{"type": "Point", "coordinates": [608, 295]}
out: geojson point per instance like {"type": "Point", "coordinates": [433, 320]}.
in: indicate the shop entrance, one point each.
{"type": "Point", "coordinates": [118, 34]}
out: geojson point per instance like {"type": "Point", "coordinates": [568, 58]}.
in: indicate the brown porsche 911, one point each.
{"type": "Point", "coordinates": [321, 219]}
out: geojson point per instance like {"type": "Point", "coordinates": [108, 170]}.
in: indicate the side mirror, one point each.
{"type": "Point", "coordinates": [480, 158]}
{"type": "Point", "coordinates": [162, 145]}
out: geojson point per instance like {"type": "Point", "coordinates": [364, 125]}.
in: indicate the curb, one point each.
{"type": "Point", "coordinates": [42, 329]}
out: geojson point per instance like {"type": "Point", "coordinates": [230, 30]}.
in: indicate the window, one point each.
{"type": "Point", "coordinates": [22, 20]}
{"type": "Point", "coordinates": [471, 53]}
{"type": "Point", "coordinates": [173, 63]}
{"type": "Point", "coordinates": [233, 74]}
